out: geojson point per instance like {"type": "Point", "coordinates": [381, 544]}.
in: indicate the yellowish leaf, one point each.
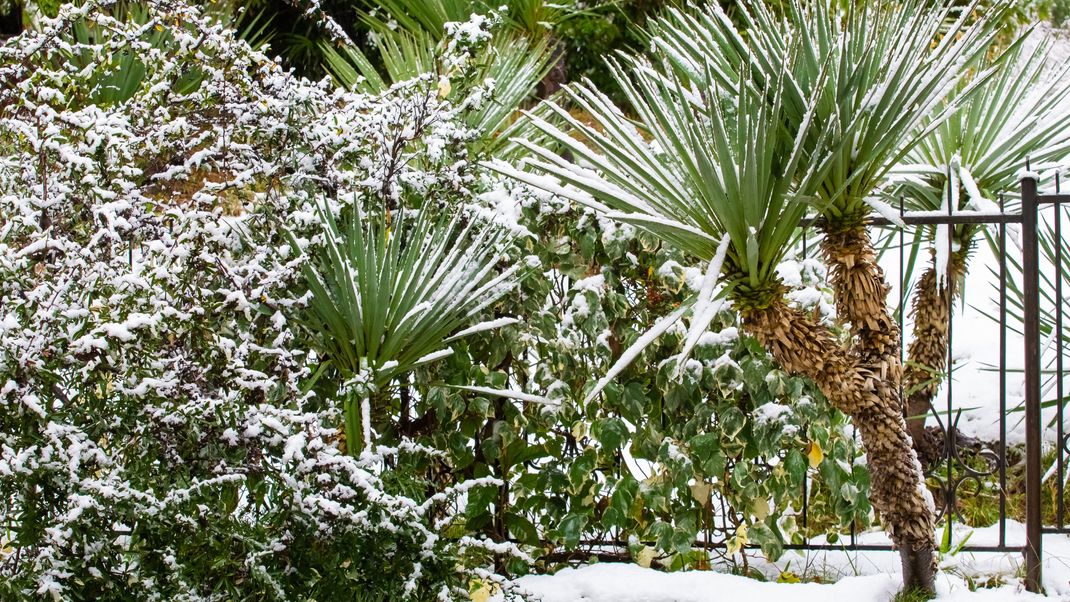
{"type": "Point", "coordinates": [760, 508]}
{"type": "Point", "coordinates": [481, 591]}
{"type": "Point", "coordinates": [788, 577]}
{"type": "Point", "coordinates": [814, 453]}
{"type": "Point", "coordinates": [579, 429]}
{"type": "Point", "coordinates": [701, 492]}
{"type": "Point", "coordinates": [645, 557]}
{"type": "Point", "coordinates": [737, 541]}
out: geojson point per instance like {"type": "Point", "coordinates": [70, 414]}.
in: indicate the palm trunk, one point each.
{"type": "Point", "coordinates": [861, 295]}
{"type": "Point", "coordinates": [899, 493]}
{"type": "Point", "coordinates": [802, 346]}
{"type": "Point", "coordinates": [927, 354]}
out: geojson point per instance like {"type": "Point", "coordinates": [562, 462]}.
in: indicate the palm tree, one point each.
{"type": "Point", "coordinates": [388, 295]}
{"type": "Point", "coordinates": [737, 135]}
{"type": "Point", "coordinates": [964, 164]}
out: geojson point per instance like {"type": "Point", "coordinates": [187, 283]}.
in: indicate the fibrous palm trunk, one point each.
{"type": "Point", "coordinates": [927, 354]}
{"type": "Point", "coordinates": [874, 365]}
{"type": "Point", "coordinates": [804, 347]}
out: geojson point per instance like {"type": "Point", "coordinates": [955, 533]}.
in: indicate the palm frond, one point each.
{"type": "Point", "coordinates": [1018, 114]}
{"type": "Point", "coordinates": [510, 67]}
{"type": "Point", "coordinates": [385, 297]}
{"type": "Point", "coordinates": [689, 169]}
{"type": "Point", "coordinates": [881, 71]}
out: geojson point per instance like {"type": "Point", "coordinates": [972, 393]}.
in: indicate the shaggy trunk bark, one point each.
{"type": "Point", "coordinates": [927, 354]}
{"type": "Point", "coordinates": [861, 296]}
{"type": "Point", "coordinates": [897, 492]}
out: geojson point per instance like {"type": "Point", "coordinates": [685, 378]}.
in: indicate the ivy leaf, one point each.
{"type": "Point", "coordinates": [768, 537]}
{"type": "Point", "coordinates": [701, 491]}
{"type": "Point", "coordinates": [610, 432]}
{"type": "Point", "coordinates": [732, 421]}
{"type": "Point", "coordinates": [795, 465]}
{"type": "Point", "coordinates": [571, 529]}
{"type": "Point", "coordinates": [522, 529]}
{"type": "Point", "coordinates": [645, 556]}
{"type": "Point", "coordinates": [703, 446]}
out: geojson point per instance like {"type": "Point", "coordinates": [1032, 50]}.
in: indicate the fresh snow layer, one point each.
{"type": "Point", "coordinates": [632, 583]}
{"type": "Point", "coordinates": [845, 575]}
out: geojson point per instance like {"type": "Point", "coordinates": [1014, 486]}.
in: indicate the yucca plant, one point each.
{"type": "Point", "coordinates": [389, 293]}
{"type": "Point", "coordinates": [512, 65]}
{"type": "Point", "coordinates": [747, 130]}
{"type": "Point", "coordinates": [964, 164]}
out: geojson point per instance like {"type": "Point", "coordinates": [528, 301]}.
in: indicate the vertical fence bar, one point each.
{"type": "Point", "coordinates": [1031, 318]}
{"type": "Point", "coordinates": [950, 423]}
{"type": "Point", "coordinates": [1002, 379]}
{"type": "Point", "coordinates": [1060, 462]}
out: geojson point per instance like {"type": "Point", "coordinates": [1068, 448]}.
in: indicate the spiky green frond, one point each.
{"type": "Point", "coordinates": [509, 67]}
{"type": "Point", "coordinates": [1016, 115]}
{"type": "Point", "coordinates": [880, 71]}
{"type": "Point", "coordinates": [692, 167]}
{"type": "Point", "coordinates": [533, 18]}
{"type": "Point", "coordinates": [385, 297]}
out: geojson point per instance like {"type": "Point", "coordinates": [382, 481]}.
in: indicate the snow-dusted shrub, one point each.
{"type": "Point", "coordinates": [160, 434]}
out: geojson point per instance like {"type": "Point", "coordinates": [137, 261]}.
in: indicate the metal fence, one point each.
{"type": "Point", "coordinates": [1033, 204]}
{"type": "Point", "coordinates": [969, 467]}
{"type": "Point", "coordinates": [957, 469]}
{"type": "Point", "coordinates": [1041, 329]}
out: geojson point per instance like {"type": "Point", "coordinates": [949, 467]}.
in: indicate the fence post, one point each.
{"type": "Point", "coordinates": [1031, 331]}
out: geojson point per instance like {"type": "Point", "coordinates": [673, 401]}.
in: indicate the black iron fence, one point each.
{"type": "Point", "coordinates": [1034, 204]}
{"type": "Point", "coordinates": [968, 467]}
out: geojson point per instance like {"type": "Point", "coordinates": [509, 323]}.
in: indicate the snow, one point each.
{"type": "Point", "coordinates": [659, 328]}
{"type": "Point", "coordinates": [511, 394]}
{"type": "Point", "coordinates": [483, 326]}
{"type": "Point", "coordinates": [724, 337]}
{"type": "Point", "coordinates": [594, 283]}
{"type": "Point", "coordinates": [771, 412]}
{"type": "Point", "coordinates": [632, 583]}
{"type": "Point", "coordinates": [857, 576]}
{"type": "Point", "coordinates": [706, 306]}
{"type": "Point", "coordinates": [886, 211]}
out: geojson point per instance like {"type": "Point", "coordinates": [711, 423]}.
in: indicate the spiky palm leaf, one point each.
{"type": "Point", "coordinates": [689, 169]}
{"type": "Point", "coordinates": [1054, 277]}
{"type": "Point", "coordinates": [387, 297]}
{"type": "Point", "coordinates": [1016, 115]}
{"type": "Point", "coordinates": [880, 71]}
{"type": "Point", "coordinates": [717, 175]}
{"type": "Point", "coordinates": [512, 66]}
{"type": "Point", "coordinates": [533, 18]}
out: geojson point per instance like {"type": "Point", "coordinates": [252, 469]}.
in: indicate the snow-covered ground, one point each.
{"type": "Point", "coordinates": [851, 576]}
{"type": "Point", "coordinates": [631, 583]}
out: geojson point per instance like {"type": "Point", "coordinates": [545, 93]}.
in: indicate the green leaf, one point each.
{"type": "Point", "coordinates": [571, 529]}
{"type": "Point", "coordinates": [522, 529]}
{"type": "Point", "coordinates": [795, 464]}
{"type": "Point", "coordinates": [610, 432]}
